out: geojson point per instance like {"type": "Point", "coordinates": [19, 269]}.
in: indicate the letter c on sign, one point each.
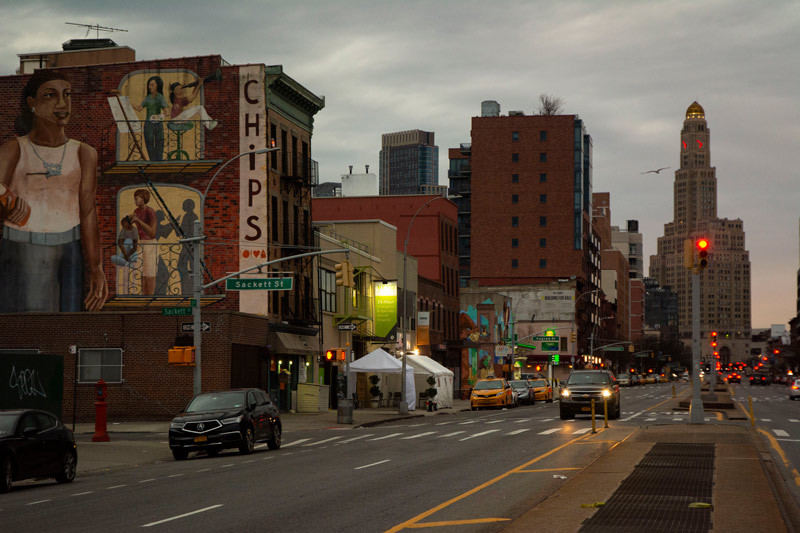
{"type": "Point", "coordinates": [247, 93]}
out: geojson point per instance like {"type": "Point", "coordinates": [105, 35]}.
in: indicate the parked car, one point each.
{"type": "Point", "coordinates": [734, 377]}
{"type": "Point", "coordinates": [493, 392]}
{"type": "Point", "coordinates": [584, 385]}
{"type": "Point", "coordinates": [542, 389]}
{"type": "Point", "coordinates": [636, 379]}
{"type": "Point", "coordinates": [759, 378]}
{"type": "Point", "coordinates": [523, 390]}
{"type": "Point", "coordinates": [794, 389]}
{"type": "Point", "coordinates": [35, 444]}
{"type": "Point", "coordinates": [214, 421]}
{"type": "Point", "coordinates": [624, 380]}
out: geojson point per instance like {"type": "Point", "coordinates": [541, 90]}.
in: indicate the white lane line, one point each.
{"type": "Point", "coordinates": [794, 420]}
{"type": "Point", "coordinates": [780, 433]}
{"type": "Point", "coordinates": [631, 417]}
{"type": "Point", "coordinates": [373, 464]}
{"type": "Point", "coordinates": [417, 425]}
{"type": "Point", "coordinates": [83, 493]}
{"type": "Point", "coordinates": [766, 420]}
{"type": "Point", "coordinates": [147, 480]}
{"type": "Point", "coordinates": [322, 441]}
{"type": "Point", "coordinates": [443, 423]}
{"type": "Point", "coordinates": [517, 432]}
{"type": "Point", "coordinates": [548, 419]}
{"type": "Point", "coordinates": [175, 475]}
{"type": "Point", "coordinates": [451, 434]}
{"type": "Point", "coordinates": [286, 445]}
{"type": "Point", "coordinates": [549, 431]}
{"type": "Point", "coordinates": [677, 419]}
{"type": "Point", "coordinates": [118, 486]}
{"type": "Point", "coordinates": [468, 422]}
{"type": "Point", "coordinates": [250, 461]}
{"type": "Point", "coordinates": [260, 446]}
{"type": "Point", "coordinates": [37, 502]}
{"type": "Point", "coordinates": [480, 434]}
{"type": "Point", "coordinates": [202, 470]}
{"type": "Point", "coordinates": [356, 438]}
{"type": "Point", "coordinates": [789, 440]}
{"type": "Point", "coordinates": [227, 465]}
{"type": "Point", "coordinates": [581, 431]}
{"type": "Point", "coordinates": [520, 421]}
{"type": "Point", "coordinates": [387, 436]}
{"type": "Point", "coordinates": [650, 419]}
{"type": "Point", "coordinates": [418, 435]}
{"type": "Point", "coordinates": [182, 516]}
{"type": "Point", "coordinates": [495, 421]}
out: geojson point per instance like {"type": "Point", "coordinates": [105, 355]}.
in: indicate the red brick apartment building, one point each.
{"type": "Point", "coordinates": [167, 129]}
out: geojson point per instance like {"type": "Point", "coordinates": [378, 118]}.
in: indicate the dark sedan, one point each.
{"type": "Point", "coordinates": [215, 421]}
{"type": "Point", "coordinates": [35, 444]}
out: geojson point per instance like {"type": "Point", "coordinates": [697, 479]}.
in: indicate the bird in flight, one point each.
{"type": "Point", "coordinates": [656, 171]}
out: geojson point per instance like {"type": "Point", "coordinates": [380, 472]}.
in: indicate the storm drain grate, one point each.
{"type": "Point", "coordinates": [657, 494]}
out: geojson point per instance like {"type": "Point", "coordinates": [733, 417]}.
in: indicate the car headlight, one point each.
{"type": "Point", "coordinates": [234, 420]}
{"type": "Point", "coordinates": [176, 425]}
{"type": "Point", "coordinates": [606, 393]}
{"type": "Point", "coordinates": [565, 393]}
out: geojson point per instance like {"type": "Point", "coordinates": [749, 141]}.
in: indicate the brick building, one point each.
{"type": "Point", "coordinates": [254, 210]}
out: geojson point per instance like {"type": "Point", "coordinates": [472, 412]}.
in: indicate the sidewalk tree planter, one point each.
{"type": "Point", "coordinates": [431, 392]}
{"type": "Point", "coordinates": [374, 390]}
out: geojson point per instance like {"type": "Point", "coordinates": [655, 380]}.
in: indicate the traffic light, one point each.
{"type": "Point", "coordinates": [702, 246]}
{"type": "Point", "coordinates": [341, 276]}
{"type": "Point", "coordinates": [330, 355]}
{"type": "Point", "coordinates": [348, 270]}
{"type": "Point", "coordinates": [688, 254]}
{"type": "Point", "coordinates": [573, 336]}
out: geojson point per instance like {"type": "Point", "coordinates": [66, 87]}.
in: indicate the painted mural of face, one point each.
{"type": "Point", "coordinates": [152, 87]}
{"type": "Point", "coordinates": [53, 103]}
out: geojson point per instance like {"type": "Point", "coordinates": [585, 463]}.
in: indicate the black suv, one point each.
{"type": "Point", "coordinates": [582, 386]}
{"type": "Point", "coordinates": [214, 421]}
{"type": "Point", "coordinates": [759, 378]}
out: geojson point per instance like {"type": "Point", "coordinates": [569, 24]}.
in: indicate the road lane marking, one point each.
{"type": "Point", "coordinates": [227, 465]}
{"type": "Point", "coordinates": [417, 425]}
{"type": "Point", "coordinates": [521, 420]}
{"type": "Point", "coordinates": [548, 419]}
{"type": "Point", "coordinates": [118, 486]}
{"type": "Point", "coordinates": [182, 516]}
{"type": "Point", "coordinates": [148, 480]}
{"type": "Point", "coordinates": [495, 421]}
{"type": "Point", "coordinates": [777, 447]}
{"type": "Point", "coordinates": [286, 445]}
{"type": "Point", "coordinates": [37, 502]}
{"type": "Point", "coordinates": [789, 440]}
{"type": "Point", "coordinates": [83, 493]}
{"type": "Point", "coordinates": [175, 475]}
{"type": "Point", "coordinates": [677, 419]}
{"type": "Point", "coordinates": [373, 464]}
{"type": "Point", "coordinates": [418, 435]}
{"type": "Point", "coordinates": [387, 436]}
{"type": "Point", "coordinates": [581, 431]}
{"type": "Point", "coordinates": [517, 432]}
{"type": "Point", "coordinates": [549, 431]}
{"type": "Point", "coordinates": [451, 434]}
{"type": "Point", "coordinates": [443, 423]}
{"type": "Point", "coordinates": [468, 422]}
{"type": "Point", "coordinates": [533, 471]}
{"type": "Point", "coordinates": [794, 420]}
{"type": "Point", "coordinates": [322, 441]}
{"type": "Point", "coordinates": [780, 433]}
{"type": "Point", "coordinates": [356, 438]}
{"type": "Point", "coordinates": [650, 419]}
{"type": "Point", "coordinates": [766, 420]}
{"type": "Point", "coordinates": [480, 434]}
{"type": "Point", "coordinates": [202, 470]}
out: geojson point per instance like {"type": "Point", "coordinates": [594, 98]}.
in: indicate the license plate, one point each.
{"type": "Point", "coordinates": [200, 439]}
{"type": "Point", "coordinates": [586, 408]}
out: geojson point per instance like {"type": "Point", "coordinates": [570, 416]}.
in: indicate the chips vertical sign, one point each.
{"type": "Point", "coordinates": [386, 310]}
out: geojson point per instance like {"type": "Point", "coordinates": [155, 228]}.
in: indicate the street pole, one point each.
{"type": "Point", "coordinates": [197, 282]}
{"type": "Point", "coordinates": [696, 411]}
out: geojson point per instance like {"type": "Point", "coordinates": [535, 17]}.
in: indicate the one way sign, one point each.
{"type": "Point", "coordinates": [189, 326]}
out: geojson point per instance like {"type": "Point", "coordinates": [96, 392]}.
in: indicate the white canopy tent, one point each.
{"type": "Point", "coordinates": [380, 362]}
{"type": "Point", "coordinates": [442, 375]}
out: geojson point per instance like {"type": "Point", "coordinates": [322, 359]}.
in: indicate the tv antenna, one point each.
{"type": "Point", "coordinates": [97, 27]}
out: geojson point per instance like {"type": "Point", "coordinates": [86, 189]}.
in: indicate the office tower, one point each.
{"type": "Point", "coordinates": [409, 162]}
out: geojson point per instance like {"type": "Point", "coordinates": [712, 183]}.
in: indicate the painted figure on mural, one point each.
{"type": "Point", "coordinates": [179, 101]}
{"type": "Point", "coordinates": [48, 205]}
{"type": "Point", "coordinates": [128, 241]}
{"type": "Point", "coordinates": [185, 257]}
{"type": "Point", "coordinates": [144, 218]}
{"type": "Point", "coordinates": [156, 107]}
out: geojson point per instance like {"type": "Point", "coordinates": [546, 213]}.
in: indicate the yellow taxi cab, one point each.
{"type": "Point", "coordinates": [491, 393]}
{"type": "Point", "coordinates": [542, 390]}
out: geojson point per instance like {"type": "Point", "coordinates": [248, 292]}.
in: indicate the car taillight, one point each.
{"type": "Point", "coordinates": [795, 387]}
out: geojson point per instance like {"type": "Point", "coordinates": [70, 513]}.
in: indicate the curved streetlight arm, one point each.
{"type": "Point", "coordinates": [228, 162]}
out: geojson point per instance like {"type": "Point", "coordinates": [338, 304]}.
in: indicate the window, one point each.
{"type": "Point", "coordinates": [514, 222]}
{"type": "Point", "coordinates": [514, 178]}
{"type": "Point", "coordinates": [543, 221]}
{"type": "Point", "coordinates": [96, 363]}
{"type": "Point", "coordinates": [543, 135]}
{"type": "Point", "coordinates": [542, 243]}
{"type": "Point", "coordinates": [514, 263]}
{"type": "Point", "coordinates": [327, 290]}
{"type": "Point", "coordinates": [543, 157]}
{"type": "Point", "coordinates": [515, 243]}
{"type": "Point", "coordinates": [515, 136]}
{"type": "Point", "coordinates": [515, 158]}
{"type": "Point", "coordinates": [542, 263]}
{"type": "Point", "coordinates": [542, 198]}
{"type": "Point", "coordinates": [515, 198]}
{"type": "Point", "coordinates": [543, 177]}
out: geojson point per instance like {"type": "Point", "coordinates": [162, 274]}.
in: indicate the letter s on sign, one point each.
{"type": "Point", "coordinates": [252, 222]}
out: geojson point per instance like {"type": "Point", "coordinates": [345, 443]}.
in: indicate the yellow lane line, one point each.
{"type": "Point", "coordinates": [552, 469]}
{"type": "Point", "coordinates": [777, 447]}
{"type": "Point", "coordinates": [420, 525]}
{"type": "Point", "coordinates": [413, 521]}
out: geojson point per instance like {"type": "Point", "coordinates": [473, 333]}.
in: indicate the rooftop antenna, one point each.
{"type": "Point", "coordinates": [97, 27]}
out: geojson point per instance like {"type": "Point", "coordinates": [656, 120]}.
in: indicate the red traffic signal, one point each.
{"type": "Point", "coordinates": [702, 246]}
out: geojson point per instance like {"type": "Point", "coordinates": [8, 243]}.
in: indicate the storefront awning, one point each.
{"type": "Point", "coordinates": [290, 343]}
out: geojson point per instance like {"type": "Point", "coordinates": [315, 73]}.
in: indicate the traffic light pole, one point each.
{"type": "Point", "coordinates": [697, 416]}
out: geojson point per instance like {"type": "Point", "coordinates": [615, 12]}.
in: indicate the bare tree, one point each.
{"type": "Point", "coordinates": [549, 104]}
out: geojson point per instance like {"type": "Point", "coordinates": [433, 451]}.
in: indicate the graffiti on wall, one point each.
{"type": "Point", "coordinates": [480, 327]}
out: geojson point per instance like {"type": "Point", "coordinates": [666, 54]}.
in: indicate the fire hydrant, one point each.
{"type": "Point", "coordinates": [101, 410]}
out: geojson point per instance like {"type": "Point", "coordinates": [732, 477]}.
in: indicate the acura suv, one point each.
{"type": "Point", "coordinates": [235, 418]}
{"type": "Point", "coordinates": [582, 386]}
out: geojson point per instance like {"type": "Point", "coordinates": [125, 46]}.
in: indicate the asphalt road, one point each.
{"type": "Point", "coordinates": [475, 470]}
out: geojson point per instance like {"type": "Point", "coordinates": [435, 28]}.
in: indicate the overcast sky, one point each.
{"type": "Point", "coordinates": [628, 68]}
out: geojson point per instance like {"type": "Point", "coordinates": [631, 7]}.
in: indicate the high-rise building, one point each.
{"type": "Point", "coordinates": [725, 283]}
{"type": "Point", "coordinates": [409, 161]}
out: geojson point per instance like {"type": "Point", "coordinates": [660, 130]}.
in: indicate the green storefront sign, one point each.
{"type": "Point", "coordinates": [386, 310]}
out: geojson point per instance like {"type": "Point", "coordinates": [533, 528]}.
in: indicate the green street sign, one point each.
{"type": "Point", "coordinates": [550, 346]}
{"type": "Point", "coordinates": [262, 284]}
{"type": "Point", "coordinates": [543, 338]}
{"type": "Point", "coordinates": [176, 311]}
{"type": "Point", "coordinates": [613, 348]}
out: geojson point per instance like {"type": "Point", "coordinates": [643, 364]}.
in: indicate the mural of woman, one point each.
{"type": "Point", "coordinates": [50, 219]}
{"type": "Point", "coordinates": [144, 218]}
{"type": "Point", "coordinates": [179, 101]}
{"type": "Point", "coordinates": [156, 106]}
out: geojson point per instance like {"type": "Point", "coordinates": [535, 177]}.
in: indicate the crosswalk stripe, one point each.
{"type": "Point", "coordinates": [495, 421]}
{"type": "Point", "coordinates": [418, 435]}
{"type": "Point", "coordinates": [549, 431]}
{"type": "Point", "coordinates": [287, 444]}
{"type": "Point", "coordinates": [451, 434]}
{"type": "Point", "coordinates": [517, 432]}
{"type": "Point", "coordinates": [323, 441]}
{"type": "Point", "coordinates": [649, 419]}
{"type": "Point", "coordinates": [766, 420]}
{"type": "Point", "coordinates": [356, 438]}
{"type": "Point", "coordinates": [780, 433]}
{"type": "Point", "coordinates": [387, 436]}
{"type": "Point", "coordinates": [467, 422]}
{"type": "Point", "coordinates": [480, 434]}
{"type": "Point", "coordinates": [677, 419]}
{"type": "Point", "coordinates": [794, 420]}
{"type": "Point", "coordinates": [581, 431]}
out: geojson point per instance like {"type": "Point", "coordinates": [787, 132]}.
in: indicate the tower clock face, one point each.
{"type": "Point", "coordinates": [699, 143]}
{"type": "Point", "coordinates": [685, 146]}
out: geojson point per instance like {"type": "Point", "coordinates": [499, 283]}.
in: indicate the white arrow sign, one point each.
{"type": "Point", "coordinates": [347, 327]}
{"type": "Point", "coordinates": [189, 326]}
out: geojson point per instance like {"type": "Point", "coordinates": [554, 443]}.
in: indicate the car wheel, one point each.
{"type": "Point", "coordinates": [6, 474]}
{"type": "Point", "coordinates": [248, 442]}
{"type": "Point", "coordinates": [616, 412]}
{"type": "Point", "coordinates": [180, 455]}
{"type": "Point", "coordinates": [213, 452]}
{"type": "Point", "coordinates": [68, 468]}
{"type": "Point", "coordinates": [549, 400]}
{"type": "Point", "coordinates": [474, 408]}
{"type": "Point", "coordinates": [275, 442]}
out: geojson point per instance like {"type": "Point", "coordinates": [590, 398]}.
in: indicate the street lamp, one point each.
{"type": "Point", "coordinates": [197, 276]}
{"type": "Point", "coordinates": [404, 401]}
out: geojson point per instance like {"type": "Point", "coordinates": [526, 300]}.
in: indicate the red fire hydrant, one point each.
{"type": "Point", "coordinates": [101, 410]}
